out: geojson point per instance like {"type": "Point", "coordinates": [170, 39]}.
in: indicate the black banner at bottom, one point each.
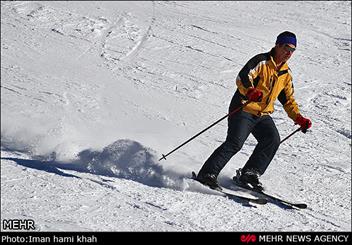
{"type": "Point", "coordinates": [233, 237]}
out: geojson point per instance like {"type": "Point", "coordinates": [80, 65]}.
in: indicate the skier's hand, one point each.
{"type": "Point", "coordinates": [254, 95]}
{"type": "Point", "coordinates": [305, 123]}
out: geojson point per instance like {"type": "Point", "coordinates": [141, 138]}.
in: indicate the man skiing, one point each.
{"type": "Point", "coordinates": [265, 78]}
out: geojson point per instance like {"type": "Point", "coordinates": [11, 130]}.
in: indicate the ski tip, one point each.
{"type": "Point", "coordinates": [301, 205]}
{"type": "Point", "coordinates": [259, 201]}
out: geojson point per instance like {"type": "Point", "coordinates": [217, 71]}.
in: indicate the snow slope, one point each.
{"type": "Point", "coordinates": [92, 93]}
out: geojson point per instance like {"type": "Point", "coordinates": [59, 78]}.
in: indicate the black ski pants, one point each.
{"type": "Point", "coordinates": [240, 126]}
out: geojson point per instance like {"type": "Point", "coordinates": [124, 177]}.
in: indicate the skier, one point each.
{"type": "Point", "coordinates": [265, 78]}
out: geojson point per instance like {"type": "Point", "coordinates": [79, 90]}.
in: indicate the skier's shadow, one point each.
{"type": "Point", "coordinates": [47, 166]}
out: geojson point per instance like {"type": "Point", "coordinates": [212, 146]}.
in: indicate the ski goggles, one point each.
{"type": "Point", "coordinates": [288, 48]}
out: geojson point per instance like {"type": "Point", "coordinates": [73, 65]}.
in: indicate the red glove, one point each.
{"type": "Point", "coordinates": [305, 123]}
{"type": "Point", "coordinates": [254, 95]}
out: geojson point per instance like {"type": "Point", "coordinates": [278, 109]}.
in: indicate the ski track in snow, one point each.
{"type": "Point", "coordinates": [93, 93]}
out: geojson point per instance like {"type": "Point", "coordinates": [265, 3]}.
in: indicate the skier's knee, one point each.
{"type": "Point", "coordinates": [233, 146]}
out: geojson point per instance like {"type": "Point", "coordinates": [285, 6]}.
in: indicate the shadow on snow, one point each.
{"type": "Point", "coordinates": [123, 158]}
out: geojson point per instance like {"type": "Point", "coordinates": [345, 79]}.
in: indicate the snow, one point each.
{"type": "Point", "coordinates": [93, 93]}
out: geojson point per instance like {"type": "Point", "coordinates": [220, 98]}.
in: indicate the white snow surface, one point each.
{"type": "Point", "coordinates": [92, 93]}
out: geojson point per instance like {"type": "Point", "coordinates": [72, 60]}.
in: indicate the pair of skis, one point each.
{"type": "Point", "coordinates": [263, 199]}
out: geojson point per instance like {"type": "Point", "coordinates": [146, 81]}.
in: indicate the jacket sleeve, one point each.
{"type": "Point", "coordinates": [249, 75]}
{"type": "Point", "coordinates": [288, 101]}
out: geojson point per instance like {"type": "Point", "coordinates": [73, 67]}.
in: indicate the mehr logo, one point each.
{"type": "Point", "coordinates": [248, 238]}
{"type": "Point", "coordinates": [18, 224]}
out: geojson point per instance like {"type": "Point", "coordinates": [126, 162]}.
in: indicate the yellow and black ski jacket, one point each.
{"type": "Point", "coordinates": [261, 72]}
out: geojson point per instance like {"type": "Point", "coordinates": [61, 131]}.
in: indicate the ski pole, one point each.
{"type": "Point", "coordinates": [299, 129]}
{"type": "Point", "coordinates": [228, 115]}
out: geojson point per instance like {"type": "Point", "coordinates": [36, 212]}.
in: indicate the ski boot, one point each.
{"type": "Point", "coordinates": [248, 179]}
{"type": "Point", "coordinates": [209, 180]}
